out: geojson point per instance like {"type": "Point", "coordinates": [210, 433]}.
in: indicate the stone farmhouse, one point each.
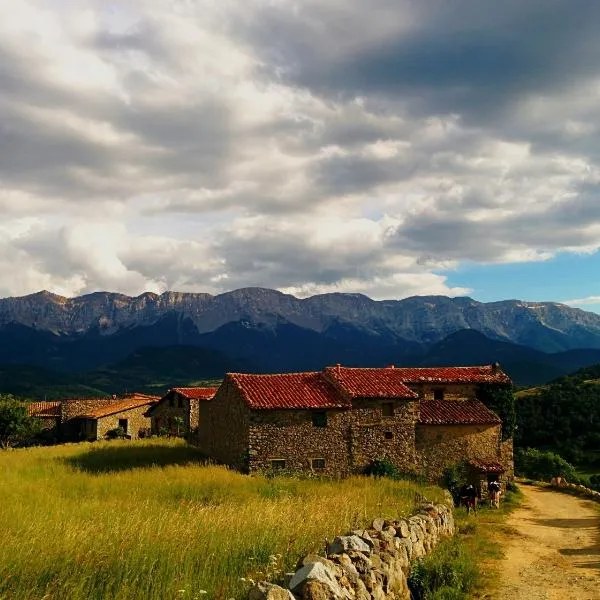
{"type": "Point", "coordinates": [77, 419]}
{"type": "Point", "coordinates": [177, 412]}
{"type": "Point", "coordinates": [337, 421]}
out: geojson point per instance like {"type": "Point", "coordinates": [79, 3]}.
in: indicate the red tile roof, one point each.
{"type": "Point", "coordinates": [487, 467]}
{"type": "Point", "coordinates": [456, 412]}
{"type": "Point", "coordinates": [43, 409]}
{"type": "Point", "coordinates": [120, 406]}
{"type": "Point", "coordinates": [196, 393]}
{"type": "Point", "coordinates": [482, 374]}
{"type": "Point", "coordinates": [288, 390]}
{"type": "Point", "coordinates": [370, 383]}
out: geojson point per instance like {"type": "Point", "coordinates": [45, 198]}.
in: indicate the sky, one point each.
{"type": "Point", "coordinates": [391, 148]}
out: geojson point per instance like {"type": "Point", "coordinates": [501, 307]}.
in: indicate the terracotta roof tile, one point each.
{"type": "Point", "coordinates": [43, 409]}
{"type": "Point", "coordinates": [481, 374]}
{"type": "Point", "coordinates": [196, 393]}
{"type": "Point", "coordinates": [120, 406]}
{"type": "Point", "coordinates": [288, 390]}
{"type": "Point", "coordinates": [370, 383]}
{"type": "Point", "coordinates": [456, 412]}
{"type": "Point", "coordinates": [487, 467]}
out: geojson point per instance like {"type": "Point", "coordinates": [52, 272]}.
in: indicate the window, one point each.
{"type": "Point", "coordinates": [388, 435]}
{"type": "Point", "coordinates": [277, 464]}
{"type": "Point", "coordinates": [387, 409]}
{"type": "Point", "coordinates": [438, 394]}
{"type": "Point", "coordinates": [123, 424]}
{"type": "Point", "coordinates": [319, 418]}
{"type": "Point", "coordinates": [317, 464]}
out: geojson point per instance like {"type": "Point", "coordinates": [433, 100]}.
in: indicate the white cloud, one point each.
{"type": "Point", "coordinates": [309, 147]}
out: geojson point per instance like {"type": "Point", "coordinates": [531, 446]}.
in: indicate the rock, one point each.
{"type": "Point", "coordinates": [390, 530]}
{"type": "Point", "coordinates": [269, 591]}
{"type": "Point", "coordinates": [402, 529]}
{"type": "Point", "coordinates": [317, 590]}
{"type": "Point", "coordinates": [378, 524]}
{"type": "Point", "coordinates": [364, 535]}
{"type": "Point", "coordinates": [344, 543]}
{"type": "Point", "coordinates": [317, 572]}
{"type": "Point", "coordinates": [361, 562]}
{"type": "Point", "coordinates": [309, 559]}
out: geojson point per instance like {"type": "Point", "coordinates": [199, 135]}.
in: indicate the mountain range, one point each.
{"type": "Point", "coordinates": [257, 329]}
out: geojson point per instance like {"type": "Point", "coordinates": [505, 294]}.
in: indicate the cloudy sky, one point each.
{"type": "Point", "coordinates": [390, 147]}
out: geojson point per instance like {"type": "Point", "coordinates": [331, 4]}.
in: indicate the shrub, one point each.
{"type": "Point", "coordinates": [16, 426]}
{"type": "Point", "coordinates": [454, 478]}
{"type": "Point", "coordinates": [382, 468]}
{"type": "Point", "coordinates": [116, 433]}
{"type": "Point", "coordinates": [595, 482]}
{"type": "Point", "coordinates": [543, 466]}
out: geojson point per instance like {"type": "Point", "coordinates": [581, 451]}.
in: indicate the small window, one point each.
{"type": "Point", "coordinates": [387, 409]}
{"type": "Point", "coordinates": [278, 464]}
{"type": "Point", "coordinates": [317, 464]}
{"type": "Point", "coordinates": [438, 394]}
{"type": "Point", "coordinates": [123, 424]}
{"type": "Point", "coordinates": [319, 418]}
{"type": "Point", "coordinates": [388, 435]}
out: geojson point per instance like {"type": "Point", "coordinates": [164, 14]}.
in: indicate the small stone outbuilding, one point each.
{"type": "Point", "coordinates": [128, 414]}
{"type": "Point", "coordinates": [337, 421]}
{"type": "Point", "coordinates": [177, 412]}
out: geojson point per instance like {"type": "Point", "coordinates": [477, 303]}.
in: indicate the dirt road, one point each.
{"type": "Point", "coordinates": [555, 551]}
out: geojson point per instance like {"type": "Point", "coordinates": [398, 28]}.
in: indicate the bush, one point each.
{"type": "Point", "coordinates": [543, 466]}
{"type": "Point", "coordinates": [382, 468]}
{"type": "Point", "coordinates": [116, 433]}
{"type": "Point", "coordinates": [454, 478]}
{"type": "Point", "coordinates": [595, 482]}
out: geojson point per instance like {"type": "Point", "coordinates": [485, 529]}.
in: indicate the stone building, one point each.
{"type": "Point", "coordinates": [75, 419]}
{"type": "Point", "coordinates": [128, 414]}
{"type": "Point", "coordinates": [176, 413]}
{"type": "Point", "coordinates": [337, 421]}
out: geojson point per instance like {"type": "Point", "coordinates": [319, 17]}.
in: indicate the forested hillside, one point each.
{"type": "Point", "coordinates": [564, 416]}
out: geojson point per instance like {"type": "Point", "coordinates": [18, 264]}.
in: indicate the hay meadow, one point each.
{"type": "Point", "coordinates": [152, 520]}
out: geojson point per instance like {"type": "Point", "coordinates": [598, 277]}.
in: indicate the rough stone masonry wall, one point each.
{"type": "Point", "coordinates": [291, 436]}
{"type": "Point", "coordinates": [136, 422]}
{"type": "Point", "coordinates": [366, 564]}
{"type": "Point", "coordinates": [441, 446]}
{"type": "Point", "coordinates": [223, 428]}
{"type": "Point", "coordinates": [374, 436]}
{"type": "Point", "coordinates": [70, 429]}
{"type": "Point", "coordinates": [163, 414]}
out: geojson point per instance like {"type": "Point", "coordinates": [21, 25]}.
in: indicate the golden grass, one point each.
{"type": "Point", "coordinates": [146, 519]}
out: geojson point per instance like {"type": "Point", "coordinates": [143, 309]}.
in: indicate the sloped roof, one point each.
{"type": "Point", "coordinates": [43, 409]}
{"type": "Point", "coordinates": [120, 406]}
{"type": "Point", "coordinates": [289, 390]}
{"type": "Point", "coordinates": [480, 374]}
{"type": "Point", "coordinates": [456, 412]}
{"type": "Point", "coordinates": [487, 466]}
{"type": "Point", "coordinates": [196, 393]}
{"type": "Point", "coordinates": [370, 383]}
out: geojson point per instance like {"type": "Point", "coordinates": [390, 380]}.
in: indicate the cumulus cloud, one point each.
{"type": "Point", "coordinates": [309, 147]}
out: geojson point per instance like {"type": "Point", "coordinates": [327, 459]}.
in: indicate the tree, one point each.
{"type": "Point", "coordinates": [16, 425]}
{"type": "Point", "coordinates": [501, 400]}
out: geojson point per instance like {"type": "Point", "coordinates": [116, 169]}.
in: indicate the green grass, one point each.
{"type": "Point", "coordinates": [149, 520]}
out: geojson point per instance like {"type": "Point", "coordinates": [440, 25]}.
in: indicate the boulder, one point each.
{"type": "Point", "coordinates": [364, 535]}
{"type": "Point", "coordinates": [269, 591]}
{"type": "Point", "coordinates": [378, 524]}
{"type": "Point", "coordinates": [317, 572]}
{"type": "Point", "coordinates": [402, 529]}
{"type": "Point", "coordinates": [344, 543]}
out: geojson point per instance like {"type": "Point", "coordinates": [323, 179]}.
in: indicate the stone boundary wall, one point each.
{"type": "Point", "coordinates": [579, 489]}
{"type": "Point", "coordinates": [365, 564]}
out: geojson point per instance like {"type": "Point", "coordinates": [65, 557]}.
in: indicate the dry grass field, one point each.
{"type": "Point", "coordinates": [130, 520]}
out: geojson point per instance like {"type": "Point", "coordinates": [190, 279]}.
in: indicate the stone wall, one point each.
{"type": "Point", "coordinates": [223, 427]}
{"type": "Point", "coordinates": [163, 414]}
{"type": "Point", "coordinates": [290, 435]}
{"type": "Point", "coordinates": [70, 428]}
{"type": "Point", "coordinates": [365, 564]}
{"type": "Point", "coordinates": [507, 458]}
{"type": "Point", "coordinates": [441, 446]}
{"type": "Point", "coordinates": [452, 391]}
{"type": "Point", "coordinates": [374, 436]}
{"type": "Point", "coordinates": [137, 422]}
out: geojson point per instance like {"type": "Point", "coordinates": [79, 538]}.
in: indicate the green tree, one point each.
{"type": "Point", "coordinates": [501, 400]}
{"type": "Point", "coordinates": [16, 425]}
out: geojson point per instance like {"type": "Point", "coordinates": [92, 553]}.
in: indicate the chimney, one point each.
{"type": "Point", "coordinates": [391, 366]}
{"type": "Point", "coordinates": [338, 366]}
{"type": "Point", "coordinates": [495, 367]}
